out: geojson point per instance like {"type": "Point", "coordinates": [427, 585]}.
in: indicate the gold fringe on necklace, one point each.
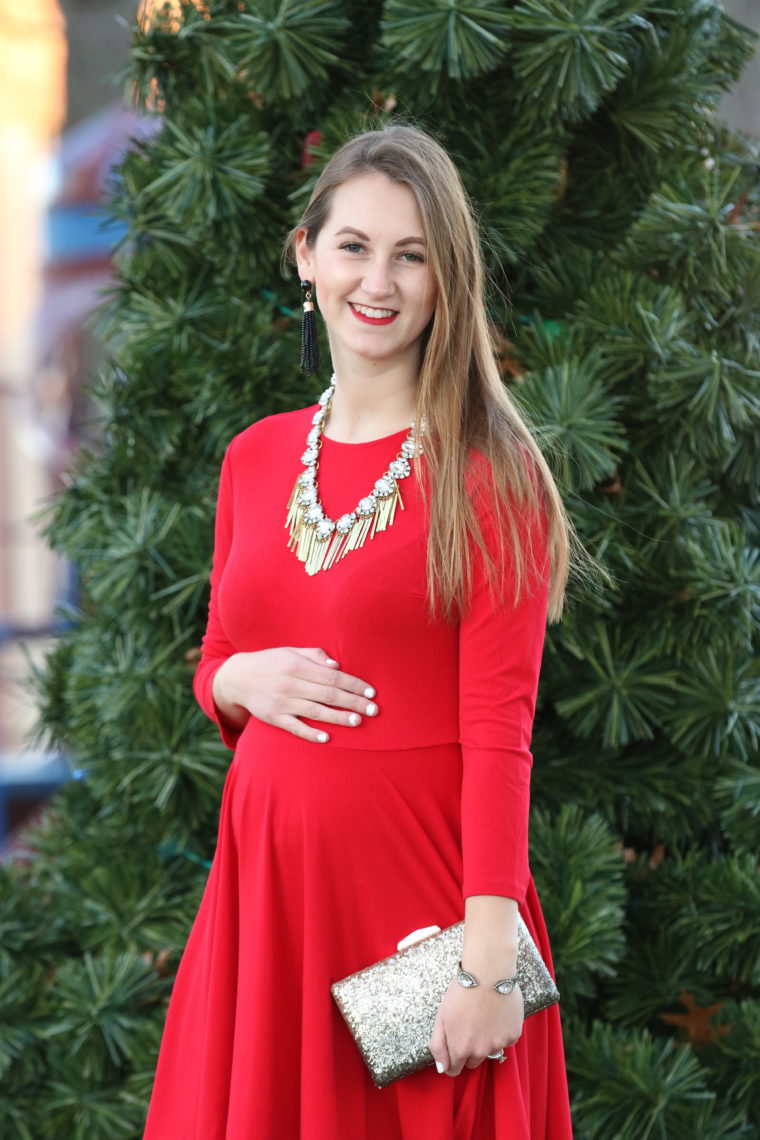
{"type": "Point", "coordinates": [319, 547]}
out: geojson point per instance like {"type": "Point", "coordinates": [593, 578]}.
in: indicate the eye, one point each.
{"type": "Point", "coordinates": [348, 245]}
{"type": "Point", "coordinates": [414, 256]}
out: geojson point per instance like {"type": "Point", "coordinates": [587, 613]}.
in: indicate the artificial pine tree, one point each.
{"type": "Point", "coordinates": [620, 218]}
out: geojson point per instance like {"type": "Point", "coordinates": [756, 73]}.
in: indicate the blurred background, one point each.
{"type": "Point", "coordinates": [65, 121]}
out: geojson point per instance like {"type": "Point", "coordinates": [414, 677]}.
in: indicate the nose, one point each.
{"type": "Point", "coordinates": [378, 279]}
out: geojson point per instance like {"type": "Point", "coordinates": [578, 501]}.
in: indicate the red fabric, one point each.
{"type": "Point", "coordinates": [329, 854]}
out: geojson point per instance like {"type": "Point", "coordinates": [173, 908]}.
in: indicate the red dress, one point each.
{"type": "Point", "coordinates": [329, 854]}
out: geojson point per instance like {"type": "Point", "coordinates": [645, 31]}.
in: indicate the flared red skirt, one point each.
{"type": "Point", "coordinates": [326, 858]}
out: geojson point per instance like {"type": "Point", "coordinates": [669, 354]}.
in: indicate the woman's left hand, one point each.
{"type": "Point", "coordinates": [471, 1023]}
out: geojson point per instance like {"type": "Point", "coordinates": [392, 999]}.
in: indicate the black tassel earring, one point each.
{"type": "Point", "coordinates": [309, 343]}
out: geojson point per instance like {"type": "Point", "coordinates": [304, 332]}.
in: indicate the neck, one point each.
{"type": "Point", "coordinates": [370, 404]}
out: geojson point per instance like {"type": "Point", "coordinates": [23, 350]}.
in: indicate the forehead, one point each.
{"type": "Point", "coordinates": [374, 203]}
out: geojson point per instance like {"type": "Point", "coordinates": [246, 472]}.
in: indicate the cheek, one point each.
{"type": "Point", "coordinates": [326, 299]}
{"type": "Point", "coordinates": [333, 282]}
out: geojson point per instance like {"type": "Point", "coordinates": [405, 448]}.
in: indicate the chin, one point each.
{"type": "Point", "coordinates": [373, 350]}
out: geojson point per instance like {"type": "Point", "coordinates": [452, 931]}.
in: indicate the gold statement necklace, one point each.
{"type": "Point", "coordinates": [317, 540]}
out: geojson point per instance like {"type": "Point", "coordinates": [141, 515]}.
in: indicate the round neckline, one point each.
{"type": "Point", "coordinates": [365, 442]}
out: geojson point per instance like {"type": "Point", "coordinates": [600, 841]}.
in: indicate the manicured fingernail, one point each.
{"type": "Point", "coordinates": [354, 719]}
{"type": "Point", "coordinates": [371, 709]}
{"type": "Point", "coordinates": [369, 691]}
{"type": "Point", "coordinates": [323, 737]}
{"type": "Point", "coordinates": [331, 662]}
{"type": "Point", "coordinates": [439, 1066]}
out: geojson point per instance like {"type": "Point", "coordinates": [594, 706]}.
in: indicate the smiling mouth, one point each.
{"type": "Point", "coordinates": [373, 314]}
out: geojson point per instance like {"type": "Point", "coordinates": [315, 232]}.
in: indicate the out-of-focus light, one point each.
{"type": "Point", "coordinates": [33, 65]}
{"type": "Point", "coordinates": [166, 13]}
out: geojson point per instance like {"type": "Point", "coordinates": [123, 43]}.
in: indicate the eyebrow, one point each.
{"type": "Point", "coordinates": [404, 241]}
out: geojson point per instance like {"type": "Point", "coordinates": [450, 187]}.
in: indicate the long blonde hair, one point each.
{"type": "Point", "coordinates": [459, 388]}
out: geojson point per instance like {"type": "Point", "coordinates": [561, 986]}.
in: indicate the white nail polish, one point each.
{"type": "Point", "coordinates": [331, 662]}
{"type": "Point", "coordinates": [371, 709]}
{"type": "Point", "coordinates": [322, 738]}
{"type": "Point", "coordinates": [369, 691]}
{"type": "Point", "coordinates": [439, 1066]}
{"type": "Point", "coordinates": [354, 719]}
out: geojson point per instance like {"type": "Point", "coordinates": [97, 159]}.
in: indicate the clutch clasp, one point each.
{"type": "Point", "coordinates": [417, 936]}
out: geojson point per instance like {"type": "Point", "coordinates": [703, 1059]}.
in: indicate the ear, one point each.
{"type": "Point", "coordinates": [304, 256]}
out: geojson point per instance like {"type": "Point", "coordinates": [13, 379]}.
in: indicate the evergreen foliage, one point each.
{"type": "Point", "coordinates": [620, 218]}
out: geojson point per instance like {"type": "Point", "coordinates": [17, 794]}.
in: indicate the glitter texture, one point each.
{"type": "Point", "coordinates": [390, 1007]}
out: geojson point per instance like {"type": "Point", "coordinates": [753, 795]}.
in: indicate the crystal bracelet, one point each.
{"type": "Point", "coordinates": [505, 986]}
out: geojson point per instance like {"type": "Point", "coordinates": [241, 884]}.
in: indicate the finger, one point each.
{"type": "Point", "coordinates": [319, 701]}
{"type": "Point", "coordinates": [456, 1063]}
{"type": "Point", "coordinates": [324, 702]}
{"type": "Point", "coordinates": [341, 680]}
{"type": "Point", "coordinates": [304, 731]}
{"type": "Point", "coordinates": [317, 655]}
{"type": "Point", "coordinates": [437, 1046]}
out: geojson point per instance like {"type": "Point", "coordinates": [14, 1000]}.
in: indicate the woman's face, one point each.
{"type": "Point", "coordinates": [369, 266]}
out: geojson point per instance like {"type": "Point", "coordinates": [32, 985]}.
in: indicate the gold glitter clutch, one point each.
{"type": "Point", "coordinates": [390, 1007]}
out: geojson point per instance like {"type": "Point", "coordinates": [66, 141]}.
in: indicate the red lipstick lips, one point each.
{"type": "Point", "coordinates": [372, 320]}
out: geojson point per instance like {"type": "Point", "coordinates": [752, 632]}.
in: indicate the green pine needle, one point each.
{"type": "Point", "coordinates": [460, 38]}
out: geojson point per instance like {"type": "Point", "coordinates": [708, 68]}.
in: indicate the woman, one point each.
{"type": "Point", "coordinates": [379, 691]}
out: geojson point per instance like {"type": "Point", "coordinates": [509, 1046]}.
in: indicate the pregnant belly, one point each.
{"type": "Point", "coordinates": [298, 793]}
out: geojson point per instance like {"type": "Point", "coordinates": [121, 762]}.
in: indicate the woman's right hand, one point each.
{"type": "Point", "coordinates": [280, 685]}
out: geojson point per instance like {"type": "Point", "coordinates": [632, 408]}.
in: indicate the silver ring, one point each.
{"type": "Point", "coordinates": [497, 1056]}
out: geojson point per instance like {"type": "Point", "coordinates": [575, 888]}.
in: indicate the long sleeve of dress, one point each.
{"type": "Point", "coordinates": [500, 652]}
{"type": "Point", "coordinates": [216, 646]}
